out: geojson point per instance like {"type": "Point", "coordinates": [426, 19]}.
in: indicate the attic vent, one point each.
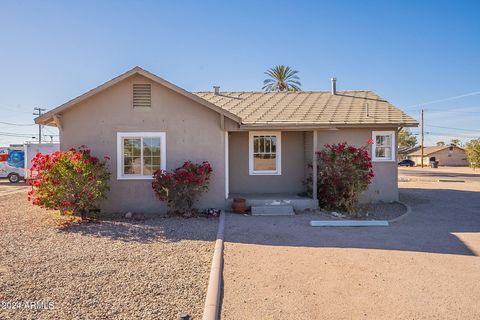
{"type": "Point", "coordinates": [142, 95]}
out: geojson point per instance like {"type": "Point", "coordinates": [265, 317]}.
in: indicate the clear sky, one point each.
{"type": "Point", "coordinates": [409, 52]}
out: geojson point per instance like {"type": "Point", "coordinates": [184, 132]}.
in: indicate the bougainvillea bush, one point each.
{"type": "Point", "coordinates": [344, 172]}
{"type": "Point", "coordinates": [182, 187]}
{"type": "Point", "coordinates": [71, 181]}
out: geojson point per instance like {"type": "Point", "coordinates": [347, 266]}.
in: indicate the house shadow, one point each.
{"type": "Point", "coordinates": [148, 230]}
{"type": "Point", "coordinates": [437, 217]}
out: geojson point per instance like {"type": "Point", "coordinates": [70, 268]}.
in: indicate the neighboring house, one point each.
{"type": "Point", "coordinates": [259, 143]}
{"type": "Point", "coordinates": [445, 155]}
{"type": "Point", "coordinates": [404, 151]}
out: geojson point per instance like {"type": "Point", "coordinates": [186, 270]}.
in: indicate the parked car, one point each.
{"type": "Point", "coordinates": [406, 163]}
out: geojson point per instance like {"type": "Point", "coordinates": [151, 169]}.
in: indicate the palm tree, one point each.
{"type": "Point", "coordinates": [282, 78]}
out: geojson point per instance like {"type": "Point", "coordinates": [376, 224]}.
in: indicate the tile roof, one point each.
{"type": "Point", "coordinates": [309, 108]}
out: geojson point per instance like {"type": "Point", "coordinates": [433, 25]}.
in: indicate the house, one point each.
{"type": "Point", "coordinates": [258, 143]}
{"type": "Point", "coordinates": [404, 151]}
{"type": "Point", "coordinates": [445, 155]}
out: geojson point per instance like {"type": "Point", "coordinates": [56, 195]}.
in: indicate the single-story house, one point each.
{"type": "Point", "coordinates": [445, 155]}
{"type": "Point", "coordinates": [258, 143]}
{"type": "Point", "coordinates": [404, 151]}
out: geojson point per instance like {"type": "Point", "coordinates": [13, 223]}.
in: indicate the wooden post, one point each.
{"type": "Point", "coordinates": [314, 166]}
{"type": "Point", "coordinates": [422, 139]}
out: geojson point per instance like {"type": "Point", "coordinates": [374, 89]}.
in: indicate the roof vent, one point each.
{"type": "Point", "coordinates": [216, 89]}
{"type": "Point", "coordinates": [334, 85]}
{"type": "Point", "coordinates": [142, 95]}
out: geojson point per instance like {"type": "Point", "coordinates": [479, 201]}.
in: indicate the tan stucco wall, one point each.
{"type": "Point", "coordinates": [384, 186]}
{"type": "Point", "coordinates": [290, 181]}
{"type": "Point", "coordinates": [296, 154]}
{"type": "Point", "coordinates": [445, 157]}
{"type": "Point", "coordinates": [193, 132]}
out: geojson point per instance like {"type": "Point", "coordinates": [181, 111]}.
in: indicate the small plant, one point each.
{"type": "Point", "coordinates": [344, 172]}
{"type": "Point", "coordinates": [181, 187]}
{"type": "Point", "coordinates": [71, 181]}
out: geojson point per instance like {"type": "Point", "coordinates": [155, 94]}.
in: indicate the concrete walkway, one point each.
{"type": "Point", "coordinates": [425, 266]}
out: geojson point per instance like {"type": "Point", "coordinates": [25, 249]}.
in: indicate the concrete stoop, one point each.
{"type": "Point", "coordinates": [275, 200]}
{"type": "Point", "coordinates": [272, 210]}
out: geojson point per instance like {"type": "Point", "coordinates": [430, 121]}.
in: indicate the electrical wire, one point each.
{"type": "Point", "coordinates": [444, 99]}
{"type": "Point", "coordinates": [19, 135]}
{"type": "Point", "coordinates": [17, 124]}
{"type": "Point", "coordinates": [438, 134]}
{"type": "Point", "coordinates": [441, 127]}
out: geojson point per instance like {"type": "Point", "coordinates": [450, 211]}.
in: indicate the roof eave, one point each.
{"type": "Point", "coordinates": [297, 125]}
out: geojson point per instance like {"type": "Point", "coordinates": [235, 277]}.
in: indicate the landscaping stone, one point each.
{"type": "Point", "coordinates": [111, 269]}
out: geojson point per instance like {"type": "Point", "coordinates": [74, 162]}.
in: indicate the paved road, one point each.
{"type": "Point", "coordinates": [433, 174]}
{"type": "Point", "coordinates": [8, 188]}
{"type": "Point", "coordinates": [425, 266]}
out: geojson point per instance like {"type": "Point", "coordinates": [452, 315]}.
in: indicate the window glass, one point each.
{"type": "Point", "coordinates": [151, 155]}
{"type": "Point", "coordinates": [141, 155]}
{"type": "Point", "coordinates": [264, 153]}
{"type": "Point", "coordinates": [383, 147]}
{"type": "Point", "coordinates": [131, 156]}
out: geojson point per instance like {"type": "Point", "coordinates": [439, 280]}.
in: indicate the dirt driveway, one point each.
{"type": "Point", "coordinates": [425, 266]}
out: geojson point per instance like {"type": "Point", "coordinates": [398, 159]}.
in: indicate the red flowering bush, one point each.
{"type": "Point", "coordinates": [181, 187]}
{"type": "Point", "coordinates": [70, 181]}
{"type": "Point", "coordinates": [344, 172]}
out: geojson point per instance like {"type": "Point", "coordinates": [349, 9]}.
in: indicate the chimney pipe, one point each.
{"type": "Point", "coordinates": [334, 85]}
{"type": "Point", "coordinates": [216, 89]}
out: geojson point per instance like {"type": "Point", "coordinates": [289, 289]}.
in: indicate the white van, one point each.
{"type": "Point", "coordinates": [15, 161]}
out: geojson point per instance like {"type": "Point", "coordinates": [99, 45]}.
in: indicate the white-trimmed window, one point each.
{"type": "Point", "coordinates": [265, 152]}
{"type": "Point", "coordinates": [140, 154]}
{"type": "Point", "coordinates": [383, 147]}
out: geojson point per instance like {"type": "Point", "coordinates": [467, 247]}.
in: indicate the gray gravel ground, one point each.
{"type": "Point", "coordinates": [152, 269]}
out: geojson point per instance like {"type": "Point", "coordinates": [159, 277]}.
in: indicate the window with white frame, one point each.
{"type": "Point", "coordinates": [265, 153]}
{"type": "Point", "coordinates": [140, 154]}
{"type": "Point", "coordinates": [383, 148]}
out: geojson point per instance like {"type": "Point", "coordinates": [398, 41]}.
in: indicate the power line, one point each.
{"type": "Point", "coordinates": [19, 135]}
{"type": "Point", "coordinates": [457, 112]}
{"type": "Point", "coordinates": [460, 135]}
{"type": "Point", "coordinates": [17, 124]}
{"type": "Point", "coordinates": [441, 127]}
{"type": "Point", "coordinates": [445, 99]}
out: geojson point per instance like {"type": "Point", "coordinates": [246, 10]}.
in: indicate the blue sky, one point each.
{"type": "Point", "coordinates": [409, 52]}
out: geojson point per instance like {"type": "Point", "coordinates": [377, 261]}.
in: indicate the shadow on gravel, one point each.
{"type": "Point", "coordinates": [436, 215]}
{"type": "Point", "coordinates": [149, 230]}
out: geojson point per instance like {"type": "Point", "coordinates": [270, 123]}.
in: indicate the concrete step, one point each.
{"type": "Point", "coordinates": [272, 210]}
{"type": "Point", "coordinates": [256, 200]}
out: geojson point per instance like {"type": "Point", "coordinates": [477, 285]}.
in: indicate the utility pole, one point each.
{"type": "Point", "coordinates": [38, 112]}
{"type": "Point", "coordinates": [422, 138]}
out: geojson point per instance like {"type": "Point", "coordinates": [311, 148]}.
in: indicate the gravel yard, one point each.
{"type": "Point", "coordinates": [152, 269]}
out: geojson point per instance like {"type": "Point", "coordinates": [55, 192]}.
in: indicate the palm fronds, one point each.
{"type": "Point", "coordinates": [282, 78]}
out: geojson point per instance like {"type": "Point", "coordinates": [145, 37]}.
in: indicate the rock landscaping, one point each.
{"type": "Point", "coordinates": [113, 269]}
